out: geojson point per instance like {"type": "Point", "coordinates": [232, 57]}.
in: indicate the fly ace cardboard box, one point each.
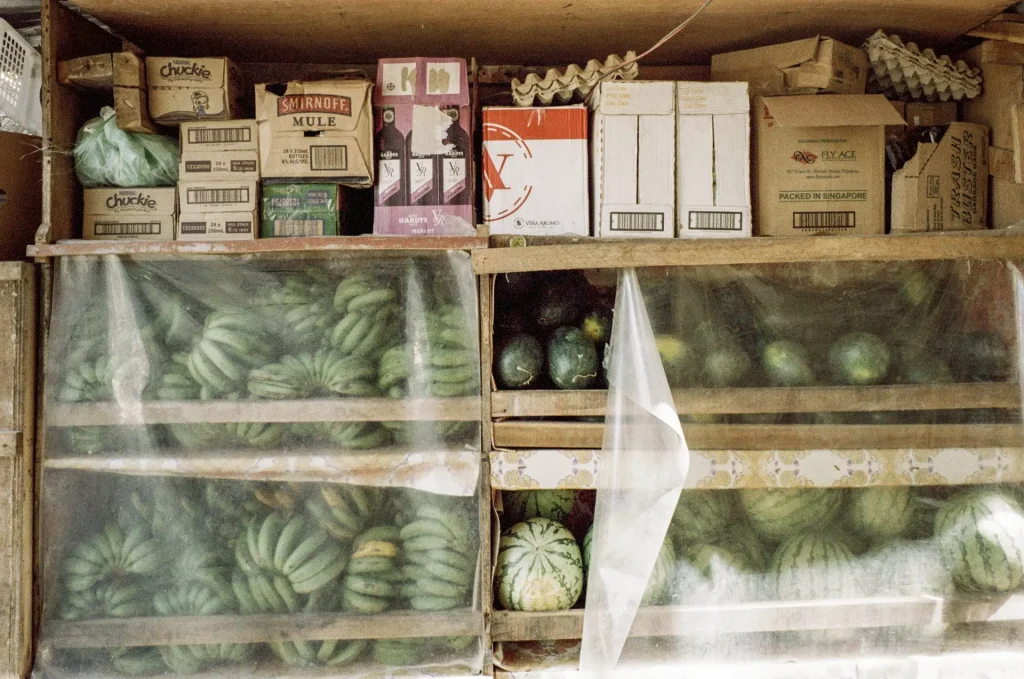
{"type": "Point", "coordinates": [196, 89]}
{"type": "Point", "coordinates": [820, 164]}
{"type": "Point", "coordinates": [317, 130]}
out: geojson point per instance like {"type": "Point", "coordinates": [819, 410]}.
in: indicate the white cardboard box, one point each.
{"type": "Point", "coordinates": [218, 196]}
{"type": "Point", "coordinates": [634, 161]}
{"type": "Point", "coordinates": [219, 165]}
{"type": "Point", "coordinates": [204, 136]}
{"type": "Point", "coordinates": [218, 226]}
{"type": "Point", "coordinates": [713, 160]}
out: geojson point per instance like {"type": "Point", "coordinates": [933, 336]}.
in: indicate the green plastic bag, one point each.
{"type": "Point", "coordinates": [106, 155]}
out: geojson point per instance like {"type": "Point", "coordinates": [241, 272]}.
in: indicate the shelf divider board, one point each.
{"type": "Point", "coordinates": [660, 621]}
{"type": "Point", "coordinates": [614, 254]}
{"type": "Point", "coordinates": [245, 629]}
{"type": "Point", "coordinates": [459, 409]}
{"type": "Point", "coordinates": [591, 403]}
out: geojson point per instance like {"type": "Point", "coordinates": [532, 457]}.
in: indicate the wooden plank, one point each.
{"type": "Point", "coordinates": [131, 107]}
{"type": "Point", "coordinates": [517, 434]}
{"type": "Point", "coordinates": [129, 70]}
{"type": "Point", "coordinates": [355, 244]}
{"type": "Point", "coordinates": [591, 403]}
{"type": "Point", "coordinates": [1009, 31]}
{"type": "Point", "coordinates": [608, 253]}
{"type": "Point", "coordinates": [660, 621]}
{"type": "Point", "coordinates": [244, 629]}
{"type": "Point", "coordinates": [460, 409]}
{"type": "Point", "coordinates": [95, 72]}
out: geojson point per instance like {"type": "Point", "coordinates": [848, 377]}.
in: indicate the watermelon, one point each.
{"type": "Point", "coordinates": [700, 516]}
{"type": "Point", "coordinates": [813, 566]}
{"type": "Point", "coordinates": [572, 359]}
{"type": "Point", "coordinates": [741, 537]}
{"type": "Point", "coordinates": [787, 364]}
{"type": "Point", "coordinates": [539, 567]}
{"type": "Point", "coordinates": [882, 512]}
{"type": "Point", "coordinates": [906, 568]}
{"type": "Point", "coordinates": [521, 362]}
{"type": "Point", "coordinates": [680, 360]}
{"type": "Point", "coordinates": [777, 514]}
{"type": "Point", "coordinates": [726, 365]}
{"type": "Point", "coordinates": [714, 573]}
{"type": "Point", "coordinates": [859, 358]}
{"type": "Point", "coordinates": [661, 576]}
{"type": "Point", "coordinates": [981, 532]}
{"type": "Point", "coordinates": [979, 357]}
{"type": "Point", "coordinates": [924, 368]}
{"type": "Point", "coordinates": [549, 504]}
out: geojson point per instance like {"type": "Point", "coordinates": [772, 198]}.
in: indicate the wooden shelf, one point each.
{"type": "Point", "coordinates": [460, 409]}
{"type": "Point", "coordinates": [591, 403]}
{"type": "Point", "coordinates": [660, 621]}
{"type": "Point", "coordinates": [371, 245]}
{"type": "Point", "coordinates": [244, 629]}
{"type": "Point", "coordinates": [541, 434]}
{"type": "Point", "coordinates": [613, 254]}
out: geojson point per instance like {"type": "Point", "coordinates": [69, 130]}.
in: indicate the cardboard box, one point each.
{"type": "Point", "coordinates": [230, 135]}
{"type": "Point", "coordinates": [219, 165]}
{"type": "Point", "coordinates": [713, 160]}
{"type": "Point", "coordinates": [195, 89]}
{"type": "Point", "coordinates": [128, 227]}
{"type": "Point", "coordinates": [235, 196]}
{"type": "Point", "coordinates": [218, 226]}
{"type": "Point", "coordinates": [535, 171]}
{"type": "Point", "coordinates": [424, 148]}
{"type": "Point", "coordinates": [944, 187]}
{"type": "Point", "coordinates": [810, 66]}
{"type": "Point", "coordinates": [301, 210]}
{"type": "Point", "coordinates": [634, 163]}
{"type": "Point", "coordinates": [820, 164]}
{"type": "Point", "coordinates": [144, 201]}
{"type": "Point", "coordinates": [317, 130]}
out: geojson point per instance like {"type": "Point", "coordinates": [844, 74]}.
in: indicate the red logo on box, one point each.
{"type": "Point", "coordinates": [314, 103]}
{"type": "Point", "coordinates": [495, 166]}
{"type": "Point", "coordinates": [804, 157]}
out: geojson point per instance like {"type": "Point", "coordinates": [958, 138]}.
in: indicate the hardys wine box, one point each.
{"type": "Point", "coordinates": [424, 148]}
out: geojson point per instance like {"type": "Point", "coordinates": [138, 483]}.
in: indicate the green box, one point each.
{"type": "Point", "coordinates": [292, 210]}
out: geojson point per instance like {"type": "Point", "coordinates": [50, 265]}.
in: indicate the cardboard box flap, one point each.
{"type": "Point", "coordinates": [781, 56]}
{"type": "Point", "coordinates": [636, 98]}
{"type": "Point", "coordinates": [344, 100]}
{"type": "Point", "coordinates": [915, 166]}
{"type": "Point", "coordinates": [831, 110]}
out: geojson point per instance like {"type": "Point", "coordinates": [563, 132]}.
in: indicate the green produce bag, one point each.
{"type": "Point", "coordinates": [106, 155]}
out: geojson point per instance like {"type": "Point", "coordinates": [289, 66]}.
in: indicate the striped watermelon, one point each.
{"type": "Point", "coordinates": [716, 574]}
{"type": "Point", "coordinates": [521, 505]}
{"type": "Point", "coordinates": [812, 566]}
{"type": "Point", "coordinates": [906, 568]}
{"type": "Point", "coordinates": [881, 513]}
{"type": "Point", "coordinates": [700, 516]}
{"type": "Point", "coordinates": [661, 576]}
{"type": "Point", "coordinates": [780, 513]}
{"type": "Point", "coordinates": [539, 567]}
{"type": "Point", "coordinates": [981, 532]}
{"type": "Point", "coordinates": [740, 537]}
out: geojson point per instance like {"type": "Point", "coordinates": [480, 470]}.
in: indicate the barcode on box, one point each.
{"type": "Point", "coordinates": [131, 229]}
{"type": "Point", "coordinates": [192, 227]}
{"type": "Point", "coordinates": [637, 221]}
{"type": "Point", "coordinates": [228, 135]}
{"type": "Point", "coordinates": [206, 196]}
{"type": "Point", "coordinates": [298, 227]}
{"type": "Point", "coordinates": [716, 221]}
{"type": "Point", "coordinates": [328, 158]}
{"type": "Point", "coordinates": [824, 220]}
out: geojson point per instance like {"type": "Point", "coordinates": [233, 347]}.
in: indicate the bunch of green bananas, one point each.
{"type": "Point", "coordinates": [323, 374]}
{"type": "Point", "coordinates": [348, 435]}
{"type": "Point", "coordinates": [89, 336]}
{"type": "Point", "coordinates": [137, 661]}
{"type": "Point", "coordinates": [329, 652]}
{"type": "Point", "coordinates": [176, 383]}
{"type": "Point", "coordinates": [370, 317]}
{"type": "Point", "coordinates": [227, 505]}
{"type": "Point", "coordinates": [345, 511]}
{"type": "Point", "coordinates": [440, 559]}
{"type": "Point", "coordinates": [440, 359]}
{"type": "Point", "coordinates": [195, 599]}
{"type": "Point", "coordinates": [373, 579]}
{"type": "Point", "coordinates": [172, 323]}
{"type": "Point", "coordinates": [255, 434]}
{"type": "Point", "coordinates": [282, 497]}
{"type": "Point", "coordinates": [206, 564]}
{"type": "Point", "coordinates": [305, 306]}
{"type": "Point", "coordinates": [92, 439]}
{"type": "Point", "coordinates": [109, 555]}
{"type": "Point", "coordinates": [418, 432]}
{"type": "Point", "coordinates": [91, 380]}
{"type": "Point", "coordinates": [232, 343]}
{"type": "Point", "coordinates": [113, 599]}
{"type": "Point", "coordinates": [401, 652]}
{"type": "Point", "coordinates": [198, 436]}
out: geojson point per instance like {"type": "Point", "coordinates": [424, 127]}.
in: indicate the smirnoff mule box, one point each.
{"type": "Point", "coordinates": [535, 171]}
{"type": "Point", "coordinates": [129, 214]}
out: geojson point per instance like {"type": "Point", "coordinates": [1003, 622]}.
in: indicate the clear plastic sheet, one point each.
{"type": "Point", "coordinates": [262, 467]}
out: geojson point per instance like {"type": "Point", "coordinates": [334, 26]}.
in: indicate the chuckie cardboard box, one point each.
{"type": "Point", "coordinates": [317, 130]}
{"type": "Point", "coordinates": [535, 171]}
{"type": "Point", "coordinates": [820, 164]}
{"type": "Point", "coordinates": [944, 187]}
{"type": "Point", "coordinates": [806, 66]}
{"type": "Point", "coordinates": [218, 226]}
{"type": "Point", "coordinates": [291, 210]}
{"type": "Point", "coordinates": [129, 214]}
{"type": "Point", "coordinates": [634, 160]}
{"type": "Point", "coordinates": [424, 148]}
{"type": "Point", "coordinates": [196, 89]}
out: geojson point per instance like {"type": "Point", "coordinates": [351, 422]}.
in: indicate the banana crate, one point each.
{"type": "Point", "coordinates": [263, 466]}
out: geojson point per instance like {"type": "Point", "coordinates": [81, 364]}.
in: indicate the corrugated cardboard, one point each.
{"type": "Point", "coordinates": [820, 164]}
{"type": "Point", "coordinates": [944, 187]}
{"type": "Point", "coordinates": [230, 135]}
{"type": "Point", "coordinates": [808, 66]}
{"type": "Point", "coordinates": [320, 130]}
{"type": "Point", "coordinates": [218, 226]}
{"type": "Point", "coordinates": [21, 202]}
{"type": "Point", "coordinates": [633, 146]}
{"type": "Point", "coordinates": [301, 210]}
{"type": "Point", "coordinates": [218, 165]}
{"type": "Point", "coordinates": [145, 201]}
{"type": "Point", "coordinates": [128, 227]}
{"type": "Point", "coordinates": [236, 196]}
{"type": "Point", "coordinates": [713, 160]}
{"type": "Point", "coordinates": [194, 89]}
{"type": "Point", "coordinates": [535, 171]}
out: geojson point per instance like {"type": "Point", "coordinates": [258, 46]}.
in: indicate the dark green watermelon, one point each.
{"type": "Point", "coordinates": [521, 362]}
{"type": "Point", "coordinates": [979, 357]}
{"type": "Point", "coordinates": [726, 365]}
{"type": "Point", "coordinates": [787, 364]}
{"type": "Point", "coordinates": [859, 358]}
{"type": "Point", "coordinates": [924, 368]}
{"type": "Point", "coordinates": [572, 359]}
